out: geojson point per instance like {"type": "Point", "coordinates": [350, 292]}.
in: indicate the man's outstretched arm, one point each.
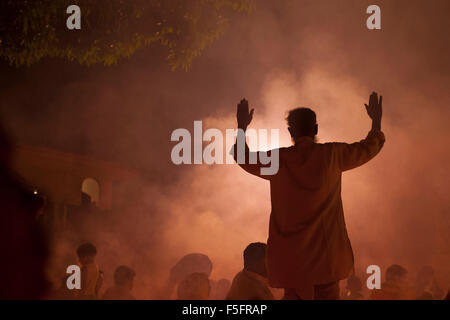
{"type": "Point", "coordinates": [353, 155]}
{"type": "Point", "coordinates": [241, 153]}
{"type": "Point", "coordinates": [375, 110]}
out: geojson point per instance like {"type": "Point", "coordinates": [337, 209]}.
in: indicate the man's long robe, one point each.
{"type": "Point", "coordinates": [308, 242]}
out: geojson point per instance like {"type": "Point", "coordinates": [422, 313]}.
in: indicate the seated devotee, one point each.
{"type": "Point", "coordinates": [123, 285]}
{"type": "Point", "coordinates": [251, 283]}
{"type": "Point", "coordinates": [194, 287]}
{"type": "Point", "coordinates": [190, 263]}
{"type": "Point", "coordinates": [91, 277]}
{"type": "Point", "coordinates": [219, 289]}
{"type": "Point", "coordinates": [426, 285]}
{"type": "Point", "coordinates": [353, 289]}
{"type": "Point", "coordinates": [395, 287]}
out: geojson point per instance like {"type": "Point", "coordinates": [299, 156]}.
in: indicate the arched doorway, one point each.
{"type": "Point", "coordinates": [91, 187]}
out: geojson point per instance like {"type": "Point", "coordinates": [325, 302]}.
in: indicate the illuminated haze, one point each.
{"type": "Point", "coordinates": [284, 55]}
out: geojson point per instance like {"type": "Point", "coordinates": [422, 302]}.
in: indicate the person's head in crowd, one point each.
{"type": "Point", "coordinates": [86, 199]}
{"type": "Point", "coordinates": [396, 274]}
{"type": "Point", "coordinates": [251, 283]}
{"type": "Point", "coordinates": [395, 287]}
{"type": "Point", "coordinates": [194, 287]}
{"type": "Point", "coordinates": [353, 288]}
{"type": "Point", "coordinates": [188, 264]}
{"type": "Point", "coordinates": [255, 258]}
{"type": "Point", "coordinates": [86, 253]}
{"type": "Point", "coordinates": [124, 277]}
{"type": "Point", "coordinates": [354, 284]}
{"type": "Point", "coordinates": [302, 123]}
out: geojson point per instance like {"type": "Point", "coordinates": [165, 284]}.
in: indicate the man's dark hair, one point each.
{"type": "Point", "coordinates": [301, 122]}
{"type": "Point", "coordinates": [86, 249]}
{"type": "Point", "coordinates": [254, 254]}
{"type": "Point", "coordinates": [123, 274]}
{"type": "Point", "coordinates": [394, 272]}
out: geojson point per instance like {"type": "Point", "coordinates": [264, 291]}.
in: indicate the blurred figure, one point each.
{"type": "Point", "coordinates": [194, 287]}
{"type": "Point", "coordinates": [190, 263]}
{"type": "Point", "coordinates": [353, 289]}
{"type": "Point", "coordinates": [426, 285]}
{"type": "Point", "coordinates": [123, 285]}
{"type": "Point", "coordinates": [219, 289]}
{"type": "Point", "coordinates": [22, 242]}
{"type": "Point", "coordinates": [395, 287]}
{"type": "Point", "coordinates": [309, 251]}
{"type": "Point", "coordinates": [91, 278]}
{"type": "Point", "coordinates": [251, 283]}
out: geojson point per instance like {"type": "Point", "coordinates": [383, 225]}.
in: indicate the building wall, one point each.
{"type": "Point", "coordinates": [59, 175]}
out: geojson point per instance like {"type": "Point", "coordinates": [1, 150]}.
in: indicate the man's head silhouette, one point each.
{"type": "Point", "coordinates": [302, 123]}
{"type": "Point", "coordinates": [396, 273]}
{"type": "Point", "coordinates": [255, 258]}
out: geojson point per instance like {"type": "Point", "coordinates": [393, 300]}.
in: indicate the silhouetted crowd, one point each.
{"type": "Point", "coordinates": [189, 279]}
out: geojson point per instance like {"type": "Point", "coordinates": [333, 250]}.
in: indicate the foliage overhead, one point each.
{"type": "Point", "coordinates": [112, 29]}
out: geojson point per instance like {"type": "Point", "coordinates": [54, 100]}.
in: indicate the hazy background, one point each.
{"type": "Point", "coordinates": [283, 55]}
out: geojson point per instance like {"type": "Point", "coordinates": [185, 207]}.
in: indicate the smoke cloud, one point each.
{"type": "Point", "coordinates": [283, 55]}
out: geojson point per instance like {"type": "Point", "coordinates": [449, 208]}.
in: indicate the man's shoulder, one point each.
{"type": "Point", "coordinates": [285, 149]}
{"type": "Point", "coordinates": [330, 144]}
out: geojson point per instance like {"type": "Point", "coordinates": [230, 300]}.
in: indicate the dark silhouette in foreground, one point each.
{"type": "Point", "coordinates": [23, 244]}
{"type": "Point", "coordinates": [251, 283]}
{"type": "Point", "coordinates": [308, 247]}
